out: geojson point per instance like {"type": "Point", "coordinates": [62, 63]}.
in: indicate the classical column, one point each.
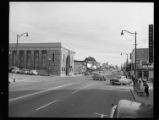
{"type": "Point", "coordinates": [36, 59]}
{"type": "Point", "coordinates": [24, 59]}
{"type": "Point", "coordinates": [40, 59]}
{"type": "Point", "coordinates": [17, 58]}
{"type": "Point", "coordinates": [32, 59]}
{"type": "Point", "coordinates": [13, 58]}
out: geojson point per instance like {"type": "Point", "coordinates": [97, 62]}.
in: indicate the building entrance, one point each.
{"type": "Point", "coordinates": [68, 65]}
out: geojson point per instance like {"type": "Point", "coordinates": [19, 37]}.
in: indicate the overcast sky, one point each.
{"type": "Point", "coordinates": [88, 28]}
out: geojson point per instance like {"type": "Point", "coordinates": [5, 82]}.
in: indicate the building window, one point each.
{"type": "Point", "coordinates": [53, 57]}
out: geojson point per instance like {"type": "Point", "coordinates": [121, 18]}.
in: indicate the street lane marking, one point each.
{"type": "Point", "coordinates": [47, 104]}
{"type": "Point", "coordinates": [13, 99]}
{"type": "Point", "coordinates": [82, 88]}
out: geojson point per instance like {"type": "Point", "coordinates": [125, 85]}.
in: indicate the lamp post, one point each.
{"type": "Point", "coordinates": [126, 61]}
{"type": "Point", "coordinates": [49, 59]}
{"type": "Point", "coordinates": [18, 36]}
{"type": "Point", "coordinates": [126, 55]}
{"type": "Point", "coordinates": [122, 33]}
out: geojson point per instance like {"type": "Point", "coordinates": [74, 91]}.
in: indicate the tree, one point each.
{"type": "Point", "coordinates": [89, 60]}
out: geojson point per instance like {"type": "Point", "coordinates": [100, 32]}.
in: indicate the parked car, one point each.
{"type": "Point", "coordinates": [99, 76]}
{"type": "Point", "coordinates": [131, 109]}
{"type": "Point", "coordinates": [125, 81]}
{"type": "Point", "coordinates": [20, 71]}
{"type": "Point", "coordinates": [11, 68]}
{"type": "Point", "coordinates": [25, 71]}
{"type": "Point", "coordinates": [115, 81]}
{"type": "Point", "coordinates": [120, 80]}
{"type": "Point", "coordinates": [33, 72]}
{"type": "Point", "coordinates": [14, 69]}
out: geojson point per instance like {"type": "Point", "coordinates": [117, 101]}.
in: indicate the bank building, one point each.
{"type": "Point", "coordinates": [46, 58]}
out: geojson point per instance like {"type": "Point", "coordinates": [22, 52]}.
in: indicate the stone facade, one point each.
{"type": "Point", "coordinates": [46, 58]}
{"type": "Point", "coordinates": [67, 64]}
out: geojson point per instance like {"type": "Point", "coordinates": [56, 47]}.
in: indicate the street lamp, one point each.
{"type": "Point", "coordinates": [122, 33]}
{"type": "Point", "coordinates": [126, 68]}
{"type": "Point", "coordinates": [49, 59]}
{"type": "Point", "coordinates": [18, 36]}
{"type": "Point", "coordinates": [127, 56]}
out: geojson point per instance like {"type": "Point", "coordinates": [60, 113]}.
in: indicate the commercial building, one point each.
{"type": "Point", "coordinates": [143, 67]}
{"type": "Point", "coordinates": [46, 58]}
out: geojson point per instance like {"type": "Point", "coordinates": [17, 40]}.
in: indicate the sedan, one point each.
{"type": "Point", "coordinates": [14, 69]}
{"type": "Point", "coordinates": [131, 109]}
{"type": "Point", "coordinates": [99, 76]}
{"type": "Point", "coordinates": [34, 72]}
{"type": "Point", "coordinates": [125, 81]}
{"type": "Point", "coordinates": [115, 81]}
{"type": "Point", "coordinates": [25, 71]}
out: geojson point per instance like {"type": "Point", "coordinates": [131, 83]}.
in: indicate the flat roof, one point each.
{"type": "Point", "coordinates": [30, 45]}
{"type": "Point", "coordinates": [39, 45]}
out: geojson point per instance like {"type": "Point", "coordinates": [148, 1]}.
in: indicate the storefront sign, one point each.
{"type": "Point", "coordinates": [151, 43]}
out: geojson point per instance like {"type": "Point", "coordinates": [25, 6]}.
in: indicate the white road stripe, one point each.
{"type": "Point", "coordinates": [46, 105]}
{"type": "Point", "coordinates": [82, 88]}
{"type": "Point", "coordinates": [13, 99]}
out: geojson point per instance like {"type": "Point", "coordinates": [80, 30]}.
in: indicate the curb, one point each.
{"type": "Point", "coordinates": [132, 94]}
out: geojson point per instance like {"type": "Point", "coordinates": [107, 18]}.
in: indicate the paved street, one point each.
{"type": "Point", "coordinates": [64, 97]}
{"type": "Point", "coordinates": [84, 60]}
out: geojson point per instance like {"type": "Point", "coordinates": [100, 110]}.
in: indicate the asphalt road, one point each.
{"type": "Point", "coordinates": [64, 97]}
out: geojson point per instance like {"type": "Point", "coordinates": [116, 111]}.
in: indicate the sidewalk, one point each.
{"type": "Point", "coordinates": [144, 98]}
{"type": "Point", "coordinates": [33, 78]}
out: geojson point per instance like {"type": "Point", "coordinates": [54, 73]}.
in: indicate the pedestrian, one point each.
{"type": "Point", "coordinates": [144, 79]}
{"type": "Point", "coordinates": [137, 84]}
{"type": "Point", "coordinates": [140, 81]}
{"type": "Point", "coordinates": [146, 88]}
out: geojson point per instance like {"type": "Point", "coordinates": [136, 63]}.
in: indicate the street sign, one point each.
{"type": "Point", "coordinates": [151, 43]}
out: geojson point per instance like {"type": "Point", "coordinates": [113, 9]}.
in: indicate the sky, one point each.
{"type": "Point", "coordinates": [87, 28]}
